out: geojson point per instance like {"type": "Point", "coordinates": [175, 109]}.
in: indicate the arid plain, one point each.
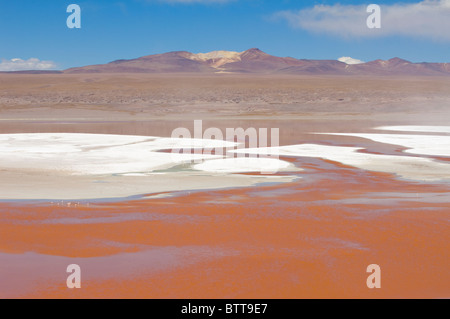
{"type": "Point", "coordinates": [306, 232]}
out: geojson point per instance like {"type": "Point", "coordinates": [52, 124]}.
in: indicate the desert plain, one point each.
{"type": "Point", "coordinates": [365, 180]}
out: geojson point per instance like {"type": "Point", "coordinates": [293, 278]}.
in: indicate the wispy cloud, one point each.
{"type": "Point", "coordinates": [22, 65]}
{"type": "Point", "coordinates": [426, 19]}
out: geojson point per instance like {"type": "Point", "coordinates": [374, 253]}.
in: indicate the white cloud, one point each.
{"type": "Point", "coordinates": [22, 65]}
{"type": "Point", "coordinates": [349, 60]}
{"type": "Point", "coordinates": [426, 19]}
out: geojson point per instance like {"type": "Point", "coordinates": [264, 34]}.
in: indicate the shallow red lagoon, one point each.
{"type": "Point", "coordinates": [311, 238]}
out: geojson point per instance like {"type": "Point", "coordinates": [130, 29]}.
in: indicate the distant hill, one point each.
{"type": "Point", "coordinates": [34, 72]}
{"type": "Point", "coordinates": [256, 61]}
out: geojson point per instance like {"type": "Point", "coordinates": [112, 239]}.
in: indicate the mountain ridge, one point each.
{"type": "Point", "coordinates": [255, 61]}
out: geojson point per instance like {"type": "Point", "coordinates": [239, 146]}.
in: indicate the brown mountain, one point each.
{"type": "Point", "coordinates": [159, 63]}
{"type": "Point", "coordinates": [257, 61]}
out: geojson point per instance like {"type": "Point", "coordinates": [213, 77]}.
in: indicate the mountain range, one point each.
{"type": "Point", "coordinates": [258, 62]}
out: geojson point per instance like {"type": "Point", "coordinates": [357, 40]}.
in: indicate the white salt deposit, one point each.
{"type": "Point", "coordinates": [245, 164]}
{"type": "Point", "coordinates": [89, 166]}
{"type": "Point", "coordinates": [433, 145]}
{"type": "Point", "coordinates": [97, 154]}
{"type": "Point", "coordinates": [84, 166]}
{"type": "Point", "coordinates": [416, 168]}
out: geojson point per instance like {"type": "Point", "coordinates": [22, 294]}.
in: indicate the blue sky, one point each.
{"type": "Point", "coordinates": [127, 29]}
